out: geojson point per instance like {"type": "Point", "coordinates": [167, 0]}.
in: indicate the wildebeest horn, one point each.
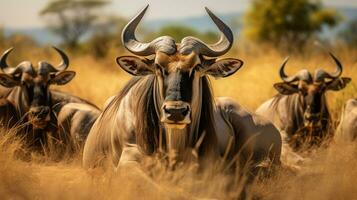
{"type": "Point", "coordinates": [64, 63]}
{"type": "Point", "coordinates": [338, 71]}
{"type": "Point", "coordinates": [321, 74]}
{"type": "Point", "coordinates": [3, 64]}
{"type": "Point", "coordinates": [283, 76]}
{"type": "Point", "coordinates": [214, 50]}
{"type": "Point", "coordinates": [13, 70]}
{"type": "Point", "coordinates": [301, 75]}
{"type": "Point", "coordinates": [130, 42]}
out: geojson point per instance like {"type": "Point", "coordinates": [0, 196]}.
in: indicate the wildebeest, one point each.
{"type": "Point", "coordinates": [347, 129]}
{"type": "Point", "coordinates": [38, 112]}
{"type": "Point", "coordinates": [300, 110]}
{"type": "Point", "coordinates": [169, 106]}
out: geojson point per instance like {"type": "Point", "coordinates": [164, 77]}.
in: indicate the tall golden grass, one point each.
{"type": "Point", "coordinates": [328, 173]}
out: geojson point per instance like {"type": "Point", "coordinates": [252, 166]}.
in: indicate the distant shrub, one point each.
{"type": "Point", "coordinates": [289, 24]}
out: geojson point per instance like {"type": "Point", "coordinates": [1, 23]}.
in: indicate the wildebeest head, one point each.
{"type": "Point", "coordinates": [311, 89]}
{"type": "Point", "coordinates": [34, 85]}
{"type": "Point", "coordinates": [178, 67]}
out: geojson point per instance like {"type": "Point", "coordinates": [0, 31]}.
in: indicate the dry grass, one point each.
{"type": "Point", "coordinates": [329, 174]}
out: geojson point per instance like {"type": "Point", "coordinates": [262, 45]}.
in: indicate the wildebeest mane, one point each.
{"type": "Point", "coordinates": [148, 127]}
{"type": "Point", "coordinates": [146, 118]}
{"type": "Point", "coordinates": [294, 110]}
{"type": "Point", "coordinates": [207, 123]}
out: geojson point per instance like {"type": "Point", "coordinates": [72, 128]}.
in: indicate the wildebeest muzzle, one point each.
{"type": "Point", "coordinates": [39, 116]}
{"type": "Point", "coordinates": [176, 112]}
{"type": "Point", "coordinates": [312, 120]}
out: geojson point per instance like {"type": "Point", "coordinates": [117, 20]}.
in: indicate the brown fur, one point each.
{"type": "Point", "coordinates": [172, 62]}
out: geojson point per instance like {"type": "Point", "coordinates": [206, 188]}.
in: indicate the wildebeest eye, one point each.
{"type": "Point", "coordinates": [52, 75]}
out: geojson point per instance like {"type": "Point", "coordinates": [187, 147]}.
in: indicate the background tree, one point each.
{"type": "Point", "coordinates": [349, 35]}
{"type": "Point", "coordinates": [2, 36]}
{"type": "Point", "coordinates": [72, 19]}
{"type": "Point", "coordinates": [287, 23]}
{"type": "Point", "coordinates": [106, 36]}
{"type": "Point", "coordinates": [25, 46]}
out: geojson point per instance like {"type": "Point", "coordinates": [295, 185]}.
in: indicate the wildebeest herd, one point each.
{"type": "Point", "coordinates": [168, 108]}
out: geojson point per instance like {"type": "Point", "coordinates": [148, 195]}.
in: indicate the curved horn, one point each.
{"type": "Point", "coordinates": [300, 75]}
{"type": "Point", "coordinates": [321, 74]}
{"type": "Point", "coordinates": [214, 50]}
{"type": "Point", "coordinates": [3, 64]}
{"type": "Point", "coordinates": [23, 66]}
{"type": "Point", "coordinates": [65, 61]}
{"type": "Point", "coordinates": [338, 71]}
{"type": "Point", "coordinates": [129, 40]}
{"type": "Point", "coordinates": [282, 74]}
{"type": "Point", "coordinates": [164, 43]}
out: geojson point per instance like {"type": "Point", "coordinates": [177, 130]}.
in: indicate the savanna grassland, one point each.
{"type": "Point", "coordinates": [327, 174]}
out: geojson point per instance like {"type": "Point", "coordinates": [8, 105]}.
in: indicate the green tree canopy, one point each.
{"type": "Point", "coordinates": [106, 35]}
{"type": "Point", "coordinates": [71, 19]}
{"type": "Point", "coordinates": [287, 22]}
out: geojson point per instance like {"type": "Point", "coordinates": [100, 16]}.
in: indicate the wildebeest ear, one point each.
{"type": "Point", "coordinates": [63, 77]}
{"type": "Point", "coordinates": [134, 65]}
{"type": "Point", "coordinates": [286, 88]}
{"type": "Point", "coordinates": [338, 83]}
{"type": "Point", "coordinates": [224, 67]}
{"type": "Point", "coordinates": [8, 81]}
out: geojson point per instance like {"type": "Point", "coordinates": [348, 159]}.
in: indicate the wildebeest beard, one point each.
{"type": "Point", "coordinates": [183, 143]}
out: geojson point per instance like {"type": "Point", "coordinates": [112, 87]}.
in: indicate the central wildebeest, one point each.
{"type": "Point", "coordinates": [40, 113]}
{"type": "Point", "coordinates": [300, 110]}
{"type": "Point", "coordinates": [169, 107]}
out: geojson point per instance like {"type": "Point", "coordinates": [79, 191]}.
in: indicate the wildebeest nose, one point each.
{"type": "Point", "coordinates": [40, 112]}
{"type": "Point", "coordinates": [176, 113]}
{"type": "Point", "coordinates": [312, 117]}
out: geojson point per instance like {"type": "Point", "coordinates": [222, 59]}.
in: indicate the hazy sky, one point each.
{"type": "Point", "coordinates": [24, 13]}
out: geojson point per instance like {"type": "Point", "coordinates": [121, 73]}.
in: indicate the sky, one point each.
{"type": "Point", "coordinates": [24, 13]}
